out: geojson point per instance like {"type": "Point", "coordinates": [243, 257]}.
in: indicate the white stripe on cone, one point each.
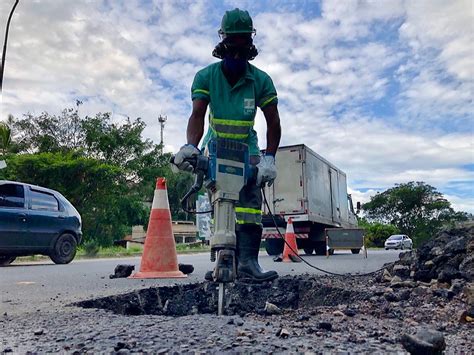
{"type": "Point", "coordinates": [289, 228]}
{"type": "Point", "coordinates": [160, 200]}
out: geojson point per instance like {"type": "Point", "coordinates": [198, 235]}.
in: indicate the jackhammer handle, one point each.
{"type": "Point", "coordinates": [192, 161]}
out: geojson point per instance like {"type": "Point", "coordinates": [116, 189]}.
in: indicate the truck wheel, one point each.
{"type": "Point", "coordinates": [331, 251]}
{"type": "Point", "coordinates": [64, 249]}
{"type": "Point", "coordinates": [320, 248]}
{"type": "Point", "coordinates": [6, 260]}
{"type": "Point", "coordinates": [274, 246]}
{"type": "Point", "coordinates": [355, 251]}
{"type": "Point", "coordinates": [308, 251]}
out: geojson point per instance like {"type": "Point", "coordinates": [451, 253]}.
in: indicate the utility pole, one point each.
{"type": "Point", "coordinates": [162, 120]}
{"type": "Point", "coordinates": [5, 46]}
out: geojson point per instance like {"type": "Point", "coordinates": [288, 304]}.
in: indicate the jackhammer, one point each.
{"type": "Point", "coordinates": [223, 172]}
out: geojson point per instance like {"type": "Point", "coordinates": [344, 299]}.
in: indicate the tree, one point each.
{"type": "Point", "coordinates": [377, 233]}
{"type": "Point", "coordinates": [106, 169]}
{"type": "Point", "coordinates": [49, 133]}
{"type": "Point", "coordinates": [5, 138]}
{"type": "Point", "coordinates": [415, 208]}
{"type": "Point", "coordinates": [98, 191]}
{"type": "Point", "coordinates": [95, 137]}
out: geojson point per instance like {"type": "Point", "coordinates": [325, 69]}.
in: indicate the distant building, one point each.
{"type": "Point", "coordinates": [183, 231]}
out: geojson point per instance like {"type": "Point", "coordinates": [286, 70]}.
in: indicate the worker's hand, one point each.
{"type": "Point", "coordinates": [187, 151]}
{"type": "Point", "coordinates": [266, 170]}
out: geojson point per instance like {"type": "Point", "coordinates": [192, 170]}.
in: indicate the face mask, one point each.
{"type": "Point", "coordinates": [236, 66]}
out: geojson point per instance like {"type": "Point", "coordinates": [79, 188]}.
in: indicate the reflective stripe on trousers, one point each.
{"type": "Point", "coordinates": [248, 209]}
{"type": "Point", "coordinates": [245, 215]}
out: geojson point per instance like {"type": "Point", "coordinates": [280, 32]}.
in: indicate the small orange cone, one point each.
{"type": "Point", "coordinates": [159, 259]}
{"type": "Point", "coordinates": [290, 241]}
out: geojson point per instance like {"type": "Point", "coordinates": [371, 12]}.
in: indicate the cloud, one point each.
{"type": "Point", "coordinates": [445, 27]}
{"type": "Point", "coordinates": [381, 89]}
{"type": "Point", "coordinates": [437, 79]}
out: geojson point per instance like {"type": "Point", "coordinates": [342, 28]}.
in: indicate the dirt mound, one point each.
{"type": "Point", "coordinates": [448, 256]}
{"type": "Point", "coordinates": [285, 293]}
{"type": "Point", "coordinates": [443, 267]}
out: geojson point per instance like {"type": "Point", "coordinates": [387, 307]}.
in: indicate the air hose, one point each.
{"type": "Point", "coordinates": [197, 186]}
{"type": "Point", "coordinates": [305, 261]}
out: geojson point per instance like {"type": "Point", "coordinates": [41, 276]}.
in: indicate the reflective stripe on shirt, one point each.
{"type": "Point", "coordinates": [266, 102]}
{"type": "Point", "coordinates": [236, 129]}
{"type": "Point", "coordinates": [201, 91]}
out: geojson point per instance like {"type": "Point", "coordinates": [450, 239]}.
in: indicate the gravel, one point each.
{"type": "Point", "coordinates": [304, 313]}
{"type": "Point", "coordinates": [362, 324]}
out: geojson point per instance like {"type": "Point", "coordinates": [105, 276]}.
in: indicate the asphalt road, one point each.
{"type": "Point", "coordinates": [36, 286]}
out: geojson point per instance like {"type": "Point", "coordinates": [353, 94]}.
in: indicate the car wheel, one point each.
{"type": "Point", "coordinates": [308, 251]}
{"type": "Point", "coordinates": [386, 248]}
{"type": "Point", "coordinates": [64, 249]}
{"type": "Point", "coordinates": [6, 260]}
{"type": "Point", "coordinates": [355, 251]}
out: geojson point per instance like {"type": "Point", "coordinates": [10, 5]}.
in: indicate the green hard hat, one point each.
{"type": "Point", "coordinates": [236, 21]}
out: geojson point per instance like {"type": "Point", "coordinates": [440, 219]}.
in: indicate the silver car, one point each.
{"type": "Point", "coordinates": [398, 241]}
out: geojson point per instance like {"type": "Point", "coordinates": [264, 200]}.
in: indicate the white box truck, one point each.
{"type": "Point", "coordinates": [313, 192]}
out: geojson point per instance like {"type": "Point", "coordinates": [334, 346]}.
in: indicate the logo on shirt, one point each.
{"type": "Point", "coordinates": [249, 106]}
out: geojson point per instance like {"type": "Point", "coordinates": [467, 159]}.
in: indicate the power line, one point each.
{"type": "Point", "coordinates": [5, 45]}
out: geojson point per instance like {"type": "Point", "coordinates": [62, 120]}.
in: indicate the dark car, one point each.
{"type": "Point", "coordinates": [37, 220]}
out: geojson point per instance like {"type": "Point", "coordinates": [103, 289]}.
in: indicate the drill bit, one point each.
{"type": "Point", "coordinates": [221, 299]}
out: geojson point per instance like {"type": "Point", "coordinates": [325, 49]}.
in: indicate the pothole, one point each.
{"type": "Point", "coordinates": [181, 300]}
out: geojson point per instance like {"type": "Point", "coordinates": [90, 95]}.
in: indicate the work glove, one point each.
{"type": "Point", "coordinates": [266, 170]}
{"type": "Point", "coordinates": [187, 151]}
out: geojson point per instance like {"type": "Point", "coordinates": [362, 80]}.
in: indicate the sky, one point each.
{"type": "Point", "coordinates": [382, 89]}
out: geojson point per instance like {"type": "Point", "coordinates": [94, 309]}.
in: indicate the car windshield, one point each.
{"type": "Point", "coordinates": [395, 237]}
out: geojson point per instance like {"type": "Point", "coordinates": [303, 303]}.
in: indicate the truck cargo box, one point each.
{"type": "Point", "coordinates": [310, 188]}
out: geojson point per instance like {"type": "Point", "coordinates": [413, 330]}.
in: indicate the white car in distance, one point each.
{"type": "Point", "coordinates": [398, 241]}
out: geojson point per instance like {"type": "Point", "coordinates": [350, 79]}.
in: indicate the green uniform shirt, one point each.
{"type": "Point", "coordinates": [233, 109]}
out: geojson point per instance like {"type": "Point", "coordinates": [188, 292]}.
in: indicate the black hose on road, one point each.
{"type": "Point", "coordinates": [305, 261]}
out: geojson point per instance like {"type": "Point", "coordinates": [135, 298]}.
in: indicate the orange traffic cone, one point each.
{"type": "Point", "coordinates": [159, 259]}
{"type": "Point", "coordinates": [290, 255]}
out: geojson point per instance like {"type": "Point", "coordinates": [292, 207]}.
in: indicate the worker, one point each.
{"type": "Point", "coordinates": [233, 88]}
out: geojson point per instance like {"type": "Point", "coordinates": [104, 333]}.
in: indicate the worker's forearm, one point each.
{"type": "Point", "coordinates": [195, 130]}
{"type": "Point", "coordinates": [273, 138]}
{"type": "Point", "coordinates": [273, 129]}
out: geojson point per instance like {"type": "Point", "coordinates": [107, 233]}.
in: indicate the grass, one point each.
{"type": "Point", "coordinates": [117, 252]}
{"type": "Point", "coordinates": [108, 252]}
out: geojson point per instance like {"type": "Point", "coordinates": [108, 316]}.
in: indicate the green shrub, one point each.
{"type": "Point", "coordinates": [91, 248]}
{"type": "Point", "coordinates": [377, 233]}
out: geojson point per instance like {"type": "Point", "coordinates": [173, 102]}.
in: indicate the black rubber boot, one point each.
{"type": "Point", "coordinates": [248, 246]}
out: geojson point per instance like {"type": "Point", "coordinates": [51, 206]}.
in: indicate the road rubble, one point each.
{"type": "Point", "coordinates": [395, 310]}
